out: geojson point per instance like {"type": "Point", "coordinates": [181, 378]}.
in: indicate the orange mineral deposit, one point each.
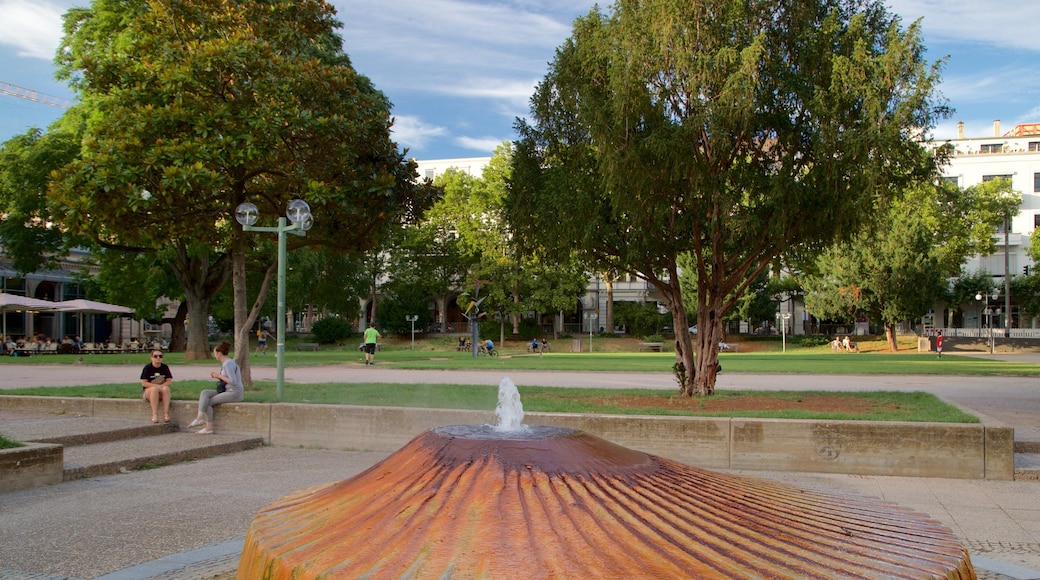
{"type": "Point", "coordinates": [545, 502]}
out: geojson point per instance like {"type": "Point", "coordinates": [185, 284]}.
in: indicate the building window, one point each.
{"type": "Point", "coordinates": [991, 148]}
{"type": "Point", "coordinates": [1036, 182]}
{"type": "Point", "coordinates": [986, 178]}
{"type": "Point", "coordinates": [429, 174]}
{"type": "Point", "coordinates": [1036, 220]}
{"type": "Point", "coordinates": [1034, 145]}
{"type": "Point", "coordinates": [951, 179]}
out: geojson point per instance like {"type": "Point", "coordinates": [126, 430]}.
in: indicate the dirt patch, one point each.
{"type": "Point", "coordinates": [821, 403]}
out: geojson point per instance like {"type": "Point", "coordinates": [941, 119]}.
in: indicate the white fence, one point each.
{"type": "Point", "coordinates": [987, 332]}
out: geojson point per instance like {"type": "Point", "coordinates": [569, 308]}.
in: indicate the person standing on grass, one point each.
{"type": "Point", "coordinates": [233, 392]}
{"type": "Point", "coordinates": [371, 339]}
{"type": "Point", "coordinates": [938, 342]}
{"type": "Point", "coordinates": [261, 341]}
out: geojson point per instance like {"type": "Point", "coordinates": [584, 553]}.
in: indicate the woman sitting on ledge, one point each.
{"type": "Point", "coordinates": [233, 391]}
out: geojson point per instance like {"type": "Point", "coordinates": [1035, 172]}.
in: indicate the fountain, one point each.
{"type": "Point", "coordinates": [518, 501]}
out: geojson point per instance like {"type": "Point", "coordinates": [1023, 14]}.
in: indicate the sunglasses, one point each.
{"type": "Point", "coordinates": [157, 356]}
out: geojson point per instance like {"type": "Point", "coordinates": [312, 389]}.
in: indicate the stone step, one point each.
{"type": "Point", "coordinates": [1027, 466]}
{"type": "Point", "coordinates": [1027, 446]}
{"type": "Point", "coordinates": [75, 431]}
{"type": "Point", "coordinates": [148, 452]}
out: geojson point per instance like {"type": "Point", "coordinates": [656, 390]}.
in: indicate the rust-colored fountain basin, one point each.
{"type": "Point", "coordinates": [471, 502]}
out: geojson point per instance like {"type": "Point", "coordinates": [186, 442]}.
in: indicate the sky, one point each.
{"type": "Point", "coordinates": [459, 72]}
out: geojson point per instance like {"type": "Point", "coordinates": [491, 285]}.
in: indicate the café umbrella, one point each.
{"type": "Point", "coordinates": [14, 302]}
{"type": "Point", "coordinates": [82, 306]}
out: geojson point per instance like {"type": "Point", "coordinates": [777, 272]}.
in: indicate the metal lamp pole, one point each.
{"type": "Point", "coordinates": [299, 221]}
{"type": "Point", "coordinates": [989, 314]}
{"type": "Point", "coordinates": [1007, 279]}
{"type": "Point", "coordinates": [412, 318]}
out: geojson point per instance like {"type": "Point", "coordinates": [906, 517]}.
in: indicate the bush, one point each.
{"type": "Point", "coordinates": [811, 340]}
{"type": "Point", "coordinates": [331, 329]}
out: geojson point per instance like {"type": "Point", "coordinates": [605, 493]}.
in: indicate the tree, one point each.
{"type": "Point", "coordinates": [734, 131]}
{"type": "Point", "coordinates": [225, 102]}
{"type": "Point", "coordinates": [30, 234]}
{"type": "Point", "coordinates": [897, 270]}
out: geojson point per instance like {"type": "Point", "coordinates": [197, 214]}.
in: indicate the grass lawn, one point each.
{"type": "Point", "coordinates": [6, 443]}
{"type": "Point", "coordinates": [608, 355]}
{"type": "Point", "coordinates": [871, 406]}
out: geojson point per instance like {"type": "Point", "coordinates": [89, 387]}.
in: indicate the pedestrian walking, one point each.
{"type": "Point", "coordinates": [371, 340]}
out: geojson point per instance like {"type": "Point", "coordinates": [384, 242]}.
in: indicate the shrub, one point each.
{"type": "Point", "coordinates": [811, 340]}
{"type": "Point", "coordinates": [331, 329]}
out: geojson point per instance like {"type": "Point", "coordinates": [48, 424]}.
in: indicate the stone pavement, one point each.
{"type": "Point", "coordinates": [189, 520]}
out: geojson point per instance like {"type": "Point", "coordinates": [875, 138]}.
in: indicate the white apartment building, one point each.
{"type": "Point", "coordinates": [1014, 154]}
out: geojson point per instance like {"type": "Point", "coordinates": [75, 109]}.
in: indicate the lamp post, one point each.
{"type": "Point", "coordinates": [989, 314]}
{"type": "Point", "coordinates": [1007, 278]}
{"type": "Point", "coordinates": [412, 318]}
{"type": "Point", "coordinates": [782, 318]}
{"type": "Point", "coordinates": [591, 318]}
{"type": "Point", "coordinates": [299, 221]}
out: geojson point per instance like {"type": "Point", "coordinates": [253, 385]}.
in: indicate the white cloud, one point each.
{"type": "Point", "coordinates": [483, 144]}
{"type": "Point", "coordinates": [32, 28]}
{"type": "Point", "coordinates": [440, 45]}
{"type": "Point", "coordinates": [412, 132]}
{"type": "Point", "coordinates": [1009, 23]}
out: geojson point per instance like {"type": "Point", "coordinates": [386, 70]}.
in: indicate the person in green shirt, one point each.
{"type": "Point", "coordinates": [371, 338]}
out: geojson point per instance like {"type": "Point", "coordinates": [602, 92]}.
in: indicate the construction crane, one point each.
{"type": "Point", "coordinates": [35, 96]}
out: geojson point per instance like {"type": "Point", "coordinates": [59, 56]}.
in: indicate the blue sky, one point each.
{"type": "Point", "coordinates": [460, 71]}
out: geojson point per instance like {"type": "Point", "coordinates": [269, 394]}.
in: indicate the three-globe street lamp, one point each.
{"type": "Point", "coordinates": [298, 215]}
{"type": "Point", "coordinates": [989, 313]}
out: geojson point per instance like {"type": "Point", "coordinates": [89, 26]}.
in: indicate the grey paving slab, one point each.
{"type": "Point", "coordinates": [183, 521]}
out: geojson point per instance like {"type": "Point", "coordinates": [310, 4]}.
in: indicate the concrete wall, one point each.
{"type": "Point", "coordinates": [33, 465]}
{"type": "Point", "coordinates": [949, 450]}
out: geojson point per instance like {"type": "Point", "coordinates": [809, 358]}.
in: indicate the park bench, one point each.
{"type": "Point", "coordinates": [654, 346]}
{"type": "Point", "coordinates": [307, 346]}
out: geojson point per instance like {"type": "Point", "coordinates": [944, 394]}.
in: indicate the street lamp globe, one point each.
{"type": "Point", "coordinates": [246, 214]}
{"type": "Point", "coordinates": [299, 212]}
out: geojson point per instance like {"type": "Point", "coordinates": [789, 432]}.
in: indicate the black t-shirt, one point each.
{"type": "Point", "coordinates": [156, 375]}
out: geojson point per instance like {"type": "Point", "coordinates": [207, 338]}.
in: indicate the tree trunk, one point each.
{"type": "Point", "coordinates": [176, 323]}
{"type": "Point", "coordinates": [243, 323]}
{"type": "Point", "coordinates": [890, 335]}
{"type": "Point", "coordinates": [685, 363]}
{"type": "Point", "coordinates": [201, 281]}
{"type": "Point", "coordinates": [709, 334]}
{"type": "Point", "coordinates": [198, 333]}
{"type": "Point", "coordinates": [244, 319]}
{"type": "Point", "coordinates": [608, 318]}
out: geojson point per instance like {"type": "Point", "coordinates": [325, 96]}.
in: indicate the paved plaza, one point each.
{"type": "Point", "coordinates": [188, 520]}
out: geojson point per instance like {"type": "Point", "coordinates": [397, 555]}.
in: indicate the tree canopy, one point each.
{"type": "Point", "coordinates": [734, 131]}
{"type": "Point", "coordinates": [197, 106]}
{"type": "Point", "coordinates": [897, 270]}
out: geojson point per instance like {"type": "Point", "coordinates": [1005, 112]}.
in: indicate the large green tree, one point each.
{"type": "Point", "coordinates": [200, 105]}
{"type": "Point", "coordinates": [735, 131]}
{"type": "Point", "coordinates": [32, 238]}
{"type": "Point", "coordinates": [897, 270]}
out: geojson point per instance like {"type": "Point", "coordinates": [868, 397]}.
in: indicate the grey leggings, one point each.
{"type": "Point", "coordinates": [209, 398]}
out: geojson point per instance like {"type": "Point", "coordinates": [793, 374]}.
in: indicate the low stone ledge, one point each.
{"type": "Point", "coordinates": [73, 406]}
{"type": "Point", "coordinates": [31, 465]}
{"type": "Point", "coordinates": [949, 450]}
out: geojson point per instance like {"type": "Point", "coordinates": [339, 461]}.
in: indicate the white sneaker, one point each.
{"type": "Point", "coordinates": [204, 432]}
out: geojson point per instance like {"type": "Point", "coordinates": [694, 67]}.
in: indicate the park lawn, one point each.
{"type": "Point", "coordinates": [871, 405]}
{"type": "Point", "coordinates": [6, 443]}
{"type": "Point", "coordinates": [440, 355]}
